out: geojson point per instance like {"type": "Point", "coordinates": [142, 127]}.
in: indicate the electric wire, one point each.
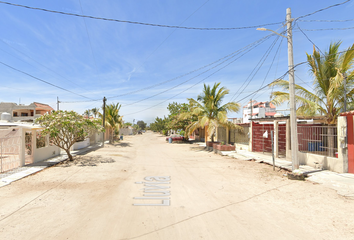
{"type": "Point", "coordinates": [271, 65]}
{"type": "Point", "coordinates": [246, 51]}
{"type": "Point", "coordinates": [322, 9]}
{"type": "Point", "coordinates": [345, 20]}
{"type": "Point", "coordinates": [88, 35]}
{"type": "Point", "coordinates": [171, 34]}
{"type": "Point", "coordinates": [35, 61]}
{"type": "Point", "coordinates": [327, 29]}
{"type": "Point", "coordinates": [41, 80]}
{"type": "Point", "coordinates": [254, 71]}
{"type": "Point", "coordinates": [235, 53]}
{"type": "Point", "coordinates": [135, 22]}
{"type": "Point", "coordinates": [309, 39]}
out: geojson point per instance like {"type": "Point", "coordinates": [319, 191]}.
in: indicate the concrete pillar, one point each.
{"type": "Point", "coordinates": [250, 138]}
{"type": "Point", "coordinates": [342, 143]}
{"type": "Point", "coordinates": [288, 139]}
{"type": "Point", "coordinates": [23, 147]}
{"type": "Point", "coordinates": [227, 135]}
{"type": "Point", "coordinates": [276, 138]}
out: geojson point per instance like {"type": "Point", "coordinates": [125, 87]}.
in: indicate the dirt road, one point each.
{"type": "Point", "coordinates": [207, 196]}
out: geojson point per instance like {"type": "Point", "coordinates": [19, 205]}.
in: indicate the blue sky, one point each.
{"type": "Point", "coordinates": [96, 58]}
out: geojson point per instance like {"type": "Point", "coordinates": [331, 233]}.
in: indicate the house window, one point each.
{"type": "Point", "coordinates": [15, 114]}
{"type": "Point", "coordinates": [24, 114]}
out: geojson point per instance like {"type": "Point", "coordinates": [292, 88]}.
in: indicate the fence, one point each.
{"type": "Point", "coordinates": [318, 139]}
{"type": "Point", "coordinates": [240, 137]}
{"type": "Point", "coordinates": [10, 145]}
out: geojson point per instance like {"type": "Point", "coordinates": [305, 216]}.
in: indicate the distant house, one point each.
{"type": "Point", "coordinates": [235, 120]}
{"type": "Point", "coordinates": [24, 113]}
{"type": "Point", "coordinates": [128, 130]}
{"type": "Point", "coordinates": [256, 109]}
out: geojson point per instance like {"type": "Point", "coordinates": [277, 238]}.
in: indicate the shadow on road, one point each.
{"type": "Point", "coordinates": [86, 161]}
{"type": "Point", "coordinates": [121, 144]}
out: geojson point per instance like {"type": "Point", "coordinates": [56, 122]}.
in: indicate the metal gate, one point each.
{"type": "Point", "coordinates": [10, 147]}
{"type": "Point", "coordinates": [282, 139]}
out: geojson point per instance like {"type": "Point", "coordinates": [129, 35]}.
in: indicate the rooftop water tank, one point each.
{"type": "Point", "coordinates": [278, 115]}
{"type": "Point", "coordinates": [5, 116]}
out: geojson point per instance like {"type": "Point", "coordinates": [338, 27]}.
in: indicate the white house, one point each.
{"type": "Point", "coordinates": [256, 109]}
{"type": "Point", "coordinates": [24, 113]}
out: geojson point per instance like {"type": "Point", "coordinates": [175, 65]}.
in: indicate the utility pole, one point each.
{"type": "Point", "coordinates": [58, 103]}
{"type": "Point", "coordinates": [293, 121]}
{"type": "Point", "coordinates": [104, 118]}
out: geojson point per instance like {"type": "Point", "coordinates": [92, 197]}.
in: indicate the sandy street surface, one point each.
{"type": "Point", "coordinates": [211, 197]}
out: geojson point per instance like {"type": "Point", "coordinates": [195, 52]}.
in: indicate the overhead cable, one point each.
{"type": "Point", "coordinates": [197, 75]}
{"type": "Point", "coordinates": [134, 22]}
{"type": "Point", "coordinates": [322, 9]}
{"type": "Point", "coordinates": [194, 84]}
{"type": "Point", "coordinates": [327, 29]}
{"type": "Point", "coordinates": [183, 75]}
{"type": "Point", "coordinates": [345, 20]}
{"type": "Point", "coordinates": [43, 80]}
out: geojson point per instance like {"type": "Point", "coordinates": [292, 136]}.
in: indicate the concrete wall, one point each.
{"type": "Point", "coordinates": [82, 144]}
{"type": "Point", "coordinates": [41, 154]}
{"type": "Point", "coordinates": [327, 163]}
{"type": "Point", "coordinates": [125, 131]}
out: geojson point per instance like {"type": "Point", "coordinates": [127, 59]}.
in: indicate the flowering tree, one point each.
{"type": "Point", "coordinates": [66, 127]}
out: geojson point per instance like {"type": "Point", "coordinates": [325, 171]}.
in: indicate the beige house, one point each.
{"type": "Point", "coordinates": [24, 113]}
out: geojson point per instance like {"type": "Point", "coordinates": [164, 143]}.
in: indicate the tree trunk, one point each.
{"type": "Point", "coordinates": [69, 155]}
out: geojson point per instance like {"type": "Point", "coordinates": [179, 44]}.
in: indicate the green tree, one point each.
{"type": "Point", "coordinates": [175, 121]}
{"type": "Point", "coordinates": [210, 111]}
{"type": "Point", "coordinates": [159, 125]}
{"type": "Point", "coordinates": [66, 127]}
{"type": "Point", "coordinates": [141, 124]}
{"type": "Point", "coordinates": [87, 113]}
{"type": "Point", "coordinates": [328, 71]}
{"type": "Point", "coordinates": [95, 111]}
{"type": "Point", "coordinates": [113, 120]}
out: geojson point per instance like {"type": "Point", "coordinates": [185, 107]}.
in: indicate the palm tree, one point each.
{"type": "Point", "coordinates": [95, 111]}
{"type": "Point", "coordinates": [211, 114]}
{"type": "Point", "coordinates": [331, 72]}
{"type": "Point", "coordinates": [87, 113]}
{"type": "Point", "coordinates": [113, 119]}
{"type": "Point", "coordinates": [328, 72]}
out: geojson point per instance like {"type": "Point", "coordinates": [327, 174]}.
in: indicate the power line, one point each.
{"type": "Point", "coordinates": [171, 34]}
{"type": "Point", "coordinates": [134, 22]}
{"type": "Point", "coordinates": [255, 70]}
{"type": "Point", "coordinates": [322, 9]}
{"type": "Point", "coordinates": [345, 20]}
{"type": "Point", "coordinates": [248, 50]}
{"type": "Point", "coordinates": [36, 62]}
{"type": "Point", "coordinates": [310, 39]}
{"type": "Point", "coordinates": [193, 84]}
{"type": "Point", "coordinates": [88, 35]}
{"type": "Point", "coordinates": [327, 29]}
{"type": "Point", "coordinates": [42, 80]}
{"type": "Point", "coordinates": [235, 53]}
{"type": "Point", "coordinates": [271, 65]}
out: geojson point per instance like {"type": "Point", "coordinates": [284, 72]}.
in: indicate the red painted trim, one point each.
{"type": "Point", "coordinates": [350, 134]}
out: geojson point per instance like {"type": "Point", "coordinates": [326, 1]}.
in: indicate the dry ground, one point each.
{"type": "Point", "coordinates": [212, 197]}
